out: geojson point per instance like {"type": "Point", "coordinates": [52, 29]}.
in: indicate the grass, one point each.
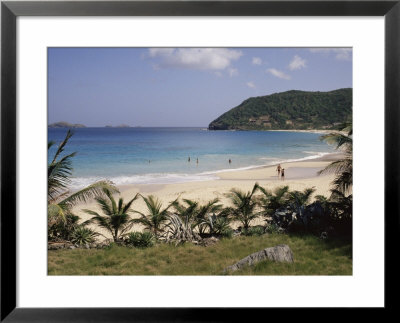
{"type": "Point", "coordinates": [312, 256]}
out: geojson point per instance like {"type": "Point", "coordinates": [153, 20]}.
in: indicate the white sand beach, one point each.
{"type": "Point", "coordinates": [298, 176]}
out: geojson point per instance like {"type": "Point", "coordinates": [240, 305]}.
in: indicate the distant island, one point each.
{"type": "Point", "coordinates": [300, 110]}
{"type": "Point", "coordinates": [63, 124]}
{"type": "Point", "coordinates": [119, 126]}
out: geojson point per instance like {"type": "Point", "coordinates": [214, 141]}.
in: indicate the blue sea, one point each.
{"type": "Point", "coordinates": [160, 155]}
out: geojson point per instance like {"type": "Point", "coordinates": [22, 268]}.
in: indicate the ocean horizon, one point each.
{"type": "Point", "coordinates": [160, 155]}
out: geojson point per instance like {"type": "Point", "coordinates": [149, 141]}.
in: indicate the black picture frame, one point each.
{"type": "Point", "coordinates": [10, 10]}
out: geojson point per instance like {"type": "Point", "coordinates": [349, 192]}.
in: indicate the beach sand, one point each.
{"type": "Point", "coordinates": [298, 176]}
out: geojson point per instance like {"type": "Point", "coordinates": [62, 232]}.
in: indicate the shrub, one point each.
{"type": "Point", "coordinates": [61, 230]}
{"type": "Point", "coordinates": [82, 235]}
{"type": "Point", "coordinates": [221, 226]}
{"type": "Point", "coordinates": [253, 231]}
{"type": "Point", "coordinates": [180, 230]}
{"type": "Point", "coordinates": [226, 233]}
{"type": "Point", "coordinates": [273, 228]}
{"type": "Point", "coordinates": [140, 239]}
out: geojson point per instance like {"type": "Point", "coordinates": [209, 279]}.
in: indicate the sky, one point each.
{"type": "Point", "coordinates": [181, 87]}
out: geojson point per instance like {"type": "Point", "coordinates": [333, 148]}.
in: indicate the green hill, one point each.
{"type": "Point", "coordinates": [289, 110]}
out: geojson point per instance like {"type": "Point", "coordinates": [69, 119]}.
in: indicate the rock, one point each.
{"type": "Point", "coordinates": [280, 253]}
{"type": "Point", "coordinates": [58, 245]}
{"type": "Point", "coordinates": [236, 233]}
{"type": "Point", "coordinates": [72, 247]}
{"type": "Point", "coordinates": [209, 241]}
{"type": "Point", "coordinates": [324, 235]}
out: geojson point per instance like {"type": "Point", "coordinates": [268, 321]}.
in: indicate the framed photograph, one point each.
{"type": "Point", "coordinates": [197, 155]}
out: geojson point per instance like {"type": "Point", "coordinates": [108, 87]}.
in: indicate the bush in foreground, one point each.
{"type": "Point", "coordinates": [253, 231]}
{"type": "Point", "coordinates": [82, 235]}
{"type": "Point", "coordinates": [140, 239]}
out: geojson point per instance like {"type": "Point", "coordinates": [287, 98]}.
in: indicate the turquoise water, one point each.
{"type": "Point", "coordinates": [123, 154]}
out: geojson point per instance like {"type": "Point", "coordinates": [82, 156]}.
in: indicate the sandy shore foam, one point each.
{"type": "Point", "coordinates": [298, 176]}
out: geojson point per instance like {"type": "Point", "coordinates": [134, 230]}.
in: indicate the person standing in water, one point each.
{"type": "Point", "coordinates": [197, 160]}
{"type": "Point", "coordinates": [279, 169]}
{"type": "Point", "coordinates": [283, 174]}
{"type": "Point", "coordinates": [230, 162]}
{"type": "Point", "coordinates": [189, 159]}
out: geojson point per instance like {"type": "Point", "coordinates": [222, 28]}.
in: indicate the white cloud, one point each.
{"type": "Point", "coordinates": [256, 61]}
{"type": "Point", "coordinates": [297, 63]}
{"type": "Point", "coordinates": [194, 58]}
{"type": "Point", "coordinates": [278, 74]}
{"type": "Point", "coordinates": [340, 53]}
{"type": "Point", "coordinates": [251, 84]}
{"type": "Point", "coordinates": [233, 72]}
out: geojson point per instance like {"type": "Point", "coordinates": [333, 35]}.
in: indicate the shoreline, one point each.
{"type": "Point", "coordinates": [165, 179]}
{"type": "Point", "coordinates": [323, 131]}
{"type": "Point", "coordinates": [298, 176]}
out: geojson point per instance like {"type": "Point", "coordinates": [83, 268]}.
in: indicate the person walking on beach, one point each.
{"type": "Point", "coordinates": [189, 159]}
{"type": "Point", "coordinates": [279, 169]}
{"type": "Point", "coordinates": [283, 174]}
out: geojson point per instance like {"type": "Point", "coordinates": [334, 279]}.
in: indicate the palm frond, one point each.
{"type": "Point", "coordinates": [50, 144]}
{"type": "Point", "coordinates": [338, 166]}
{"type": "Point", "coordinates": [91, 212]}
{"type": "Point", "coordinates": [94, 190]}
{"type": "Point", "coordinates": [103, 222]}
{"type": "Point", "coordinates": [343, 168]}
{"type": "Point", "coordinates": [343, 182]}
{"type": "Point", "coordinates": [58, 176]}
{"type": "Point", "coordinates": [54, 211]}
{"type": "Point", "coordinates": [128, 205]}
{"type": "Point", "coordinates": [62, 145]}
{"type": "Point", "coordinates": [104, 205]}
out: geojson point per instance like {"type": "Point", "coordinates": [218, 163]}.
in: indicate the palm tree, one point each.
{"type": "Point", "coordinates": [116, 218]}
{"type": "Point", "coordinates": [180, 224]}
{"type": "Point", "coordinates": [198, 215]}
{"type": "Point", "coordinates": [343, 168]}
{"type": "Point", "coordinates": [342, 205]}
{"type": "Point", "coordinates": [272, 201]}
{"type": "Point", "coordinates": [244, 205]}
{"type": "Point", "coordinates": [207, 218]}
{"type": "Point", "coordinates": [299, 200]}
{"type": "Point", "coordinates": [59, 199]}
{"type": "Point", "coordinates": [188, 212]}
{"type": "Point", "coordinates": [156, 217]}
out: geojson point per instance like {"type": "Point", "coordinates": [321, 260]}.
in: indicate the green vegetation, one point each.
{"type": "Point", "coordinates": [340, 203]}
{"type": "Point", "coordinates": [343, 168]}
{"type": "Point", "coordinates": [289, 110]}
{"type": "Point", "coordinates": [61, 221]}
{"type": "Point", "coordinates": [319, 232]}
{"type": "Point", "coordinates": [117, 219]}
{"type": "Point", "coordinates": [82, 235]}
{"type": "Point", "coordinates": [244, 205]}
{"type": "Point", "coordinates": [140, 239]}
{"type": "Point", "coordinates": [253, 231]}
{"type": "Point", "coordinates": [156, 217]}
{"type": "Point", "coordinates": [312, 256]}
